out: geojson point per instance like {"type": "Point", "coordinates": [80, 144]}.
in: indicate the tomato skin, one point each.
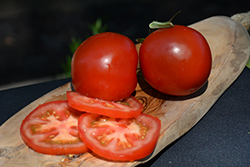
{"type": "Point", "coordinates": [102, 136]}
{"type": "Point", "coordinates": [104, 67]}
{"type": "Point", "coordinates": [130, 106]}
{"type": "Point", "coordinates": [57, 118]}
{"type": "Point", "coordinates": [175, 61]}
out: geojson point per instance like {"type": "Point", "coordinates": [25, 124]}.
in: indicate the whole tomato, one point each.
{"type": "Point", "coordinates": [104, 67]}
{"type": "Point", "coordinates": [175, 61]}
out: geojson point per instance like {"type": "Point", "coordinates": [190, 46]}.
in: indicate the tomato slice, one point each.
{"type": "Point", "coordinates": [119, 139]}
{"type": "Point", "coordinates": [127, 108]}
{"type": "Point", "coordinates": [52, 128]}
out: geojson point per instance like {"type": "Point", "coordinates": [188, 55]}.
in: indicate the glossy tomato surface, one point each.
{"type": "Point", "coordinates": [51, 128]}
{"type": "Point", "coordinates": [104, 67]}
{"type": "Point", "coordinates": [120, 139]}
{"type": "Point", "coordinates": [176, 61]}
{"type": "Point", "coordinates": [127, 108]}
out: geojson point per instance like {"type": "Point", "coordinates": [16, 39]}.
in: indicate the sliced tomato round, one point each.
{"type": "Point", "coordinates": [119, 139]}
{"type": "Point", "coordinates": [52, 128]}
{"type": "Point", "coordinates": [127, 108]}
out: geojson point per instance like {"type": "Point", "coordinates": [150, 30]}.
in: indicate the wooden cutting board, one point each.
{"type": "Point", "coordinates": [230, 45]}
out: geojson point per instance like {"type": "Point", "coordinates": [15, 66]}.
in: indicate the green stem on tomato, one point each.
{"type": "Point", "coordinates": [156, 25]}
{"type": "Point", "coordinates": [167, 24]}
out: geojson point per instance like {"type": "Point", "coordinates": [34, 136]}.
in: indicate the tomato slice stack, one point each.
{"type": "Point", "coordinates": [116, 131]}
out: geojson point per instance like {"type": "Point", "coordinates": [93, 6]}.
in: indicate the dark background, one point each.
{"type": "Point", "coordinates": [35, 34]}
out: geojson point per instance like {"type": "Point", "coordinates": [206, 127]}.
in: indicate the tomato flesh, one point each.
{"type": "Point", "coordinates": [127, 108]}
{"type": "Point", "coordinates": [119, 139]}
{"type": "Point", "coordinates": [176, 61]}
{"type": "Point", "coordinates": [52, 128]}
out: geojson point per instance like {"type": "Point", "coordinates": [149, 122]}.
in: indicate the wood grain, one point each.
{"type": "Point", "coordinates": [230, 46]}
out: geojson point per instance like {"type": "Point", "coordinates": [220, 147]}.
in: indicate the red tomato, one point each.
{"type": "Point", "coordinates": [52, 129]}
{"type": "Point", "coordinates": [119, 139]}
{"type": "Point", "coordinates": [175, 61]}
{"type": "Point", "coordinates": [127, 108]}
{"type": "Point", "coordinates": [104, 67]}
